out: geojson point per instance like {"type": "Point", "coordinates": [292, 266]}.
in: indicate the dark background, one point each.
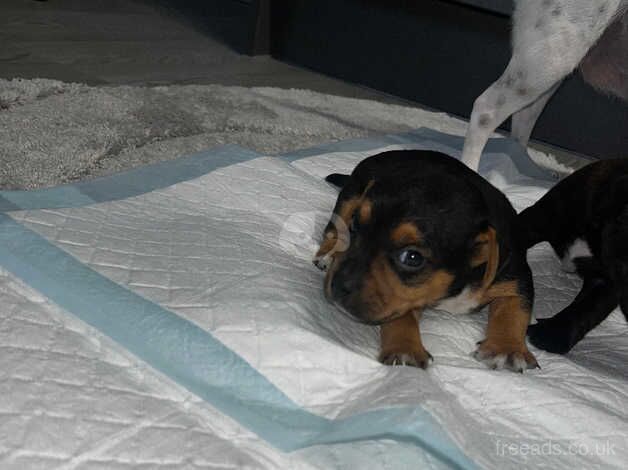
{"type": "Point", "coordinates": [440, 54]}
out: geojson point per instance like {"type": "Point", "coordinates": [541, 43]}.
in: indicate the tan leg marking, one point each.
{"type": "Point", "coordinates": [505, 345]}
{"type": "Point", "coordinates": [401, 343]}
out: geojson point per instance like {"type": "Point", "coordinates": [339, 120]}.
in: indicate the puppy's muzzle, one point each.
{"type": "Point", "coordinates": [342, 290]}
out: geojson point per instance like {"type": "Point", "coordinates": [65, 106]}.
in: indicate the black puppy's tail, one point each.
{"type": "Point", "coordinates": [532, 226]}
{"type": "Point", "coordinates": [338, 179]}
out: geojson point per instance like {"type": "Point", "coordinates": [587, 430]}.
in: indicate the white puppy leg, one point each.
{"type": "Point", "coordinates": [550, 38]}
{"type": "Point", "coordinates": [523, 121]}
{"type": "Point", "coordinates": [507, 95]}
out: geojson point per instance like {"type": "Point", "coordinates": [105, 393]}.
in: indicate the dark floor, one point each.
{"type": "Point", "coordinates": [149, 42]}
{"type": "Point", "coordinates": [138, 42]}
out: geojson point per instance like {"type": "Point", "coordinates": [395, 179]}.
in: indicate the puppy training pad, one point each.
{"type": "Point", "coordinates": [225, 351]}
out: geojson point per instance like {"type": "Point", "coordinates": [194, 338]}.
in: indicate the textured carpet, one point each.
{"type": "Point", "coordinates": [53, 132]}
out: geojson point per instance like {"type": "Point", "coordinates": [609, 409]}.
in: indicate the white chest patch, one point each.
{"type": "Point", "coordinates": [579, 249]}
{"type": "Point", "coordinates": [462, 303]}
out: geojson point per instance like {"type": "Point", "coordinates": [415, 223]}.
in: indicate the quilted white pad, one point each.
{"type": "Point", "coordinates": [229, 251]}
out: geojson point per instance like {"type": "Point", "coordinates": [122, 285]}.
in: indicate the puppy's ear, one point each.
{"type": "Point", "coordinates": [486, 252]}
{"type": "Point", "coordinates": [338, 180]}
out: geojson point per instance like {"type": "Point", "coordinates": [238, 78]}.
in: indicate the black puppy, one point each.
{"type": "Point", "coordinates": [585, 219]}
{"type": "Point", "coordinates": [418, 229]}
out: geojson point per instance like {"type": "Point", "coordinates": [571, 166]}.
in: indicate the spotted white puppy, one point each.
{"type": "Point", "coordinates": [550, 39]}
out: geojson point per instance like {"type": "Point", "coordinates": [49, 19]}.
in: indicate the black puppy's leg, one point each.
{"type": "Point", "coordinates": [614, 246]}
{"type": "Point", "coordinates": [596, 300]}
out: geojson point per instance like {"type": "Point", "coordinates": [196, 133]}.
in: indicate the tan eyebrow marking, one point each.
{"type": "Point", "coordinates": [406, 233]}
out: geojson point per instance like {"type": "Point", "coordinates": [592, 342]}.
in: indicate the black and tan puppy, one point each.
{"type": "Point", "coordinates": [585, 219]}
{"type": "Point", "coordinates": [424, 231]}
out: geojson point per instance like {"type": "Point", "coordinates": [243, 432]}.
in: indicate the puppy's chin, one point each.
{"type": "Point", "coordinates": [380, 321]}
{"type": "Point", "coordinates": [358, 315]}
{"type": "Point", "coordinates": [348, 310]}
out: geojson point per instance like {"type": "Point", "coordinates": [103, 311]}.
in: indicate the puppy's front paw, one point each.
{"type": "Point", "coordinates": [414, 358]}
{"type": "Point", "coordinates": [323, 262]}
{"type": "Point", "coordinates": [496, 357]}
{"type": "Point", "coordinates": [550, 337]}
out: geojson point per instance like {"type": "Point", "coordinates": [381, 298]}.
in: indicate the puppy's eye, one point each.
{"type": "Point", "coordinates": [410, 258]}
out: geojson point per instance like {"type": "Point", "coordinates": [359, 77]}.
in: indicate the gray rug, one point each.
{"type": "Point", "coordinates": [53, 132]}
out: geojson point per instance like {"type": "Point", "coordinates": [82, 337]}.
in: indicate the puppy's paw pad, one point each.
{"type": "Point", "coordinates": [517, 361]}
{"type": "Point", "coordinates": [420, 359]}
{"type": "Point", "coordinates": [323, 262]}
{"type": "Point", "coordinates": [548, 338]}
